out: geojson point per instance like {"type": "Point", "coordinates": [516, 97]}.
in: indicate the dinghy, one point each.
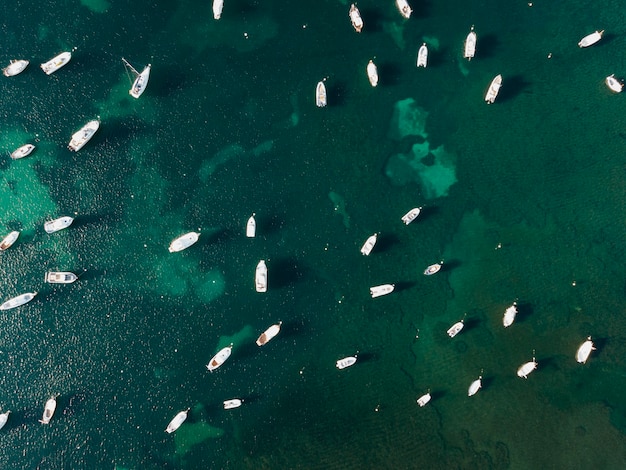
{"type": "Point", "coordinates": [383, 289]}
{"type": "Point", "coordinates": [584, 350]}
{"type": "Point", "coordinates": [23, 151]}
{"type": "Point", "coordinates": [366, 249]}
{"type": "Point", "coordinates": [320, 95]}
{"type": "Point", "coordinates": [346, 362]}
{"type": "Point", "coordinates": [525, 369]}
{"type": "Point", "coordinates": [260, 277]}
{"type": "Point", "coordinates": [422, 56]}
{"type": "Point", "coordinates": [372, 73]}
{"type": "Point", "coordinates": [232, 403]}
{"type": "Point", "coordinates": [355, 18]}
{"type": "Point", "coordinates": [421, 401]}
{"type": "Point", "coordinates": [176, 422]}
{"type": "Point", "coordinates": [269, 334]}
{"type": "Point", "coordinates": [591, 39]}
{"type": "Point", "coordinates": [456, 328]}
{"type": "Point", "coordinates": [509, 315]}
{"type": "Point", "coordinates": [475, 386]}
{"type": "Point", "coordinates": [470, 45]}
{"type": "Point", "coordinates": [411, 215]}
{"type": "Point", "coordinates": [251, 227]}
{"type": "Point", "coordinates": [614, 84]}
{"type": "Point", "coordinates": [494, 89]}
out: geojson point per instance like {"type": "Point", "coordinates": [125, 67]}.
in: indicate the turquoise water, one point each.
{"type": "Point", "coordinates": [523, 200]}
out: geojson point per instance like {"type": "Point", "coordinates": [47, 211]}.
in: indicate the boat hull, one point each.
{"type": "Point", "coordinates": [509, 316]}
{"type": "Point", "coordinates": [367, 247]}
{"type": "Point", "coordinates": [260, 277]}
{"type": "Point", "coordinates": [320, 95]}
{"type": "Point", "coordinates": [384, 289]}
{"type": "Point", "coordinates": [424, 399]}
{"type": "Point", "coordinates": [372, 73]}
{"type": "Point", "coordinates": [614, 84]}
{"type": "Point", "coordinates": [56, 63]}
{"type": "Point", "coordinates": [404, 8]}
{"type": "Point", "coordinates": [83, 135]}
{"type": "Point", "coordinates": [183, 242]}
{"type": "Point", "coordinates": [9, 240]}
{"type": "Point", "coordinates": [140, 83]}
{"type": "Point", "coordinates": [4, 417]}
{"type": "Point", "coordinates": [219, 358]}
{"type": "Point", "coordinates": [268, 334]}
{"type": "Point", "coordinates": [218, 6]}
{"type": "Point", "coordinates": [422, 56]}
{"type": "Point", "coordinates": [23, 151]}
{"type": "Point", "coordinates": [411, 215]}
{"type": "Point", "coordinates": [470, 45]}
{"type": "Point", "coordinates": [355, 18]}
{"type": "Point", "coordinates": [525, 369]}
{"type": "Point", "coordinates": [494, 89]}
{"type": "Point", "coordinates": [60, 277]}
{"type": "Point", "coordinates": [584, 350]}
{"type": "Point", "coordinates": [346, 362]}
{"type": "Point", "coordinates": [58, 224]}
{"type": "Point", "coordinates": [48, 411]}
{"type": "Point", "coordinates": [591, 39]}
{"type": "Point", "coordinates": [455, 329]}
{"type": "Point", "coordinates": [176, 422]}
{"type": "Point", "coordinates": [233, 403]}
{"type": "Point", "coordinates": [15, 68]}
{"type": "Point", "coordinates": [474, 387]}
{"type": "Point", "coordinates": [251, 227]}
{"type": "Point", "coordinates": [18, 301]}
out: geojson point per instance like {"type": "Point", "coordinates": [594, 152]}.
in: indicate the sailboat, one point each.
{"type": "Point", "coordinates": [141, 79]}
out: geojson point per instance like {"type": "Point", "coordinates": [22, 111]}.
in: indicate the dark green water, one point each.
{"type": "Point", "coordinates": [524, 200]}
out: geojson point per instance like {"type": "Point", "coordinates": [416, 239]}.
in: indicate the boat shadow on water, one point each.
{"type": "Point", "coordinates": [372, 20]}
{"type": "Point", "coordinates": [337, 94]}
{"type": "Point", "coordinates": [486, 46]}
{"type": "Point", "coordinates": [284, 271]}
{"type": "Point", "coordinates": [524, 310]}
{"type": "Point", "coordinates": [403, 285]}
{"type": "Point", "coordinates": [386, 242]}
{"type": "Point", "coordinates": [511, 87]}
{"type": "Point", "coordinates": [389, 73]}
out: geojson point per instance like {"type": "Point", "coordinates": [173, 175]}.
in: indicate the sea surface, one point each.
{"type": "Point", "coordinates": [523, 200]}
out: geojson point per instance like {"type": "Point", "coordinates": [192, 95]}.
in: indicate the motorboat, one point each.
{"type": "Point", "coordinates": [366, 249]}
{"type": "Point", "coordinates": [260, 277]}
{"type": "Point", "coordinates": [525, 369]}
{"type": "Point", "coordinates": [8, 241]}
{"type": "Point", "coordinates": [509, 315]}
{"type": "Point", "coordinates": [60, 277]}
{"type": "Point", "coordinates": [584, 350]}
{"type": "Point", "coordinates": [614, 84]}
{"type": "Point", "coordinates": [424, 399]}
{"type": "Point", "coordinates": [422, 56]}
{"type": "Point", "coordinates": [83, 135]}
{"type": "Point", "coordinates": [4, 417]}
{"type": "Point", "coordinates": [48, 410]}
{"type": "Point", "coordinates": [355, 18]}
{"type": "Point", "coordinates": [381, 290]}
{"type": "Point", "coordinates": [18, 301]}
{"type": "Point", "coordinates": [346, 362]}
{"type": "Point", "coordinates": [475, 386]}
{"type": "Point", "coordinates": [58, 224]}
{"type": "Point", "coordinates": [176, 421]}
{"type": "Point", "coordinates": [372, 73]}
{"type": "Point", "coordinates": [404, 8]}
{"type": "Point", "coordinates": [220, 357]}
{"type": "Point", "coordinates": [411, 215]}
{"type": "Point", "coordinates": [433, 269]}
{"type": "Point", "coordinates": [591, 39]}
{"type": "Point", "coordinates": [251, 227]}
{"type": "Point", "coordinates": [232, 403]}
{"type": "Point", "coordinates": [268, 334]}
{"type": "Point", "coordinates": [470, 45]}
{"type": "Point", "coordinates": [218, 6]}
{"type": "Point", "coordinates": [456, 328]}
{"type": "Point", "coordinates": [23, 151]}
{"type": "Point", "coordinates": [141, 79]}
{"type": "Point", "coordinates": [493, 90]}
{"type": "Point", "coordinates": [183, 242]}
{"type": "Point", "coordinates": [15, 67]}
{"type": "Point", "coordinates": [320, 95]}
{"type": "Point", "coordinates": [56, 62]}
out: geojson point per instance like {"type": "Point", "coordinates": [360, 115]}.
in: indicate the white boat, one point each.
{"type": "Point", "coordinates": [509, 315]}
{"type": "Point", "coordinates": [433, 269]}
{"type": "Point", "coordinates": [141, 79]}
{"type": "Point", "coordinates": [525, 369]}
{"type": "Point", "coordinates": [23, 151]}
{"type": "Point", "coordinates": [260, 277]}
{"type": "Point", "coordinates": [17, 301]}
{"type": "Point", "coordinates": [177, 421]}
{"type": "Point", "coordinates": [411, 215]}
{"type": "Point", "coordinates": [591, 39]}
{"type": "Point", "coordinates": [383, 289]}
{"type": "Point", "coordinates": [218, 6]}
{"type": "Point", "coordinates": [355, 18]}
{"type": "Point", "coordinates": [48, 410]}
{"type": "Point", "coordinates": [60, 277]}
{"type": "Point", "coordinates": [268, 334]}
{"type": "Point", "coordinates": [251, 227]}
{"type": "Point", "coordinates": [83, 135]}
{"type": "Point", "coordinates": [366, 249]}
{"type": "Point", "coordinates": [4, 417]}
{"type": "Point", "coordinates": [475, 386]}
{"type": "Point", "coordinates": [8, 241]}
{"type": "Point", "coordinates": [232, 403]}
{"type": "Point", "coordinates": [614, 84]}
{"type": "Point", "coordinates": [584, 350]}
{"type": "Point", "coordinates": [404, 8]}
{"type": "Point", "coordinates": [15, 67]}
{"type": "Point", "coordinates": [455, 329]}
{"type": "Point", "coordinates": [470, 45]}
{"type": "Point", "coordinates": [421, 401]}
{"type": "Point", "coordinates": [183, 242]}
{"type": "Point", "coordinates": [493, 90]}
{"type": "Point", "coordinates": [58, 224]}
{"type": "Point", "coordinates": [220, 357]}
{"type": "Point", "coordinates": [320, 94]}
{"type": "Point", "coordinates": [372, 73]}
{"type": "Point", "coordinates": [56, 62]}
{"type": "Point", "coordinates": [422, 56]}
{"type": "Point", "coordinates": [346, 362]}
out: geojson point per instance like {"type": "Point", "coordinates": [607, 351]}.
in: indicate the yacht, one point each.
{"type": "Point", "coordinates": [232, 403]}
{"type": "Point", "coordinates": [404, 8]}
{"type": "Point", "coordinates": [493, 90]}
{"type": "Point", "coordinates": [60, 277]}
{"type": "Point", "coordinates": [411, 215]}
{"type": "Point", "coordinates": [525, 369]}
{"type": "Point", "coordinates": [183, 242]}
{"type": "Point", "coordinates": [58, 224]}
{"type": "Point", "coordinates": [355, 18]}
{"type": "Point", "coordinates": [591, 39]}
{"type": "Point", "coordinates": [475, 386]}
{"type": "Point", "coordinates": [4, 417]}
{"type": "Point", "coordinates": [433, 269]}
{"type": "Point", "coordinates": [470, 45]}
{"type": "Point", "coordinates": [218, 6]}
{"type": "Point", "coordinates": [346, 362]}
{"type": "Point", "coordinates": [421, 401]}
{"type": "Point", "coordinates": [17, 301]}
{"type": "Point", "coordinates": [320, 94]}
{"type": "Point", "coordinates": [220, 358]}
{"type": "Point", "coordinates": [48, 410]}
{"type": "Point", "coordinates": [251, 227]}
{"type": "Point", "coordinates": [372, 73]}
{"type": "Point", "coordinates": [15, 67]}
{"type": "Point", "coordinates": [383, 289]}
{"type": "Point", "coordinates": [56, 62]}
{"type": "Point", "coordinates": [23, 151]}
{"type": "Point", "coordinates": [366, 249]}
{"type": "Point", "coordinates": [614, 84]}
{"type": "Point", "coordinates": [83, 135]}
{"type": "Point", "coordinates": [422, 56]}
{"type": "Point", "coordinates": [260, 277]}
{"type": "Point", "coordinates": [177, 421]}
{"type": "Point", "coordinates": [456, 328]}
{"type": "Point", "coordinates": [509, 315]}
{"type": "Point", "coordinates": [269, 334]}
{"type": "Point", "coordinates": [584, 350]}
{"type": "Point", "coordinates": [141, 79]}
{"type": "Point", "coordinates": [8, 241]}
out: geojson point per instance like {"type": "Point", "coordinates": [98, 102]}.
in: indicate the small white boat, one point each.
{"type": "Point", "coordinates": [260, 277]}
{"type": "Point", "coordinates": [56, 62]}
{"type": "Point", "coordinates": [421, 401]}
{"type": "Point", "coordinates": [422, 56]}
{"type": "Point", "coordinates": [372, 73]}
{"type": "Point", "coordinates": [83, 135]}
{"type": "Point", "coordinates": [268, 334]}
{"type": "Point", "coordinates": [8, 241]}
{"type": "Point", "coordinates": [456, 328]}
{"type": "Point", "coordinates": [320, 95]}
{"type": "Point", "coordinates": [23, 151]}
{"type": "Point", "coordinates": [591, 39]}
{"type": "Point", "coordinates": [220, 358]}
{"type": "Point", "coordinates": [383, 289]}
{"type": "Point", "coordinates": [355, 18]}
{"type": "Point", "coordinates": [525, 369]}
{"type": "Point", "coordinates": [4, 417]}
{"type": "Point", "coordinates": [177, 421]}
{"type": "Point", "coordinates": [60, 277]}
{"type": "Point", "coordinates": [475, 386]}
{"type": "Point", "coordinates": [251, 227]}
{"type": "Point", "coordinates": [232, 403]}
{"type": "Point", "coordinates": [411, 215]}
{"type": "Point", "coordinates": [470, 45]}
{"type": "Point", "coordinates": [141, 79]}
{"type": "Point", "coordinates": [404, 8]}
{"type": "Point", "coordinates": [218, 6]}
{"type": "Point", "coordinates": [183, 242]}
{"type": "Point", "coordinates": [346, 362]}
{"type": "Point", "coordinates": [433, 269]}
{"type": "Point", "coordinates": [509, 315]}
{"type": "Point", "coordinates": [614, 84]}
{"type": "Point", "coordinates": [18, 301]}
{"type": "Point", "coordinates": [493, 90]}
{"type": "Point", "coordinates": [366, 249]}
{"type": "Point", "coordinates": [15, 67]}
{"type": "Point", "coordinates": [48, 410]}
{"type": "Point", "coordinates": [584, 350]}
{"type": "Point", "coordinates": [58, 224]}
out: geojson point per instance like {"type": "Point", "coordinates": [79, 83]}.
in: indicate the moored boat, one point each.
{"type": "Point", "coordinates": [475, 386]}
{"type": "Point", "coordinates": [424, 399]}
{"type": "Point", "coordinates": [8, 241]}
{"type": "Point", "coordinates": [591, 39]}
{"type": "Point", "coordinates": [60, 277]}
{"type": "Point", "coordinates": [56, 62]}
{"type": "Point", "coordinates": [83, 135]}
{"type": "Point", "coordinates": [268, 334]}
{"type": "Point", "coordinates": [251, 227]}
{"type": "Point", "coordinates": [15, 67]}
{"type": "Point", "coordinates": [320, 94]}
{"type": "Point", "coordinates": [355, 18]}
{"type": "Point", "coordinates": [584, 350]}
{"type": "Point", "coordinates": [366, 249]}
{"type": "Point", "coordinates": [23, 151]}
{"type": "Point", "coordinates": [232, 403]}
{"type": "Point", "coordinates": [183, 242]}
{"type": "Point", "coordinates": [141, 79]}
{"type": "Point", "coordinates": [411, 215]}
{"type": "Point", "coordinates": [525, 369]}
{"type": "Point", "coordinates": [422, 55]}
{"type": "Point", "coordinates": [218, 6]}
{"type": "Point", "coordinates": [176, 421]}
{"type": "Point", "coordinates": [48, 410]}
{"type": "Point", "coordinates": [4, 417]}
{"type": "Point", "coordinates": [404, 8]}
{"type": "Point", "coordinates": [509, 315]}
{"type": "Point", "coordinates": [383, 289]}
{"type": "Point", "coordinates": [18, 301]}
{"type": "Point", "coordinates": [346, 362]}
{"type": "Point", "coordinates": [614, 84]}
{"type": "Point", "coordinates": [220, 357]}
{"type": "Point", "coordinates": [456, 328]}
{"type": "Point", "coordinates": [260, 277]}
{"type": "Point", "coordinates": [493, 90]}
{"type": "Point", "coordinates": [58, 224]}
{"type": "Point", "coordinates": [372, 73]}
{"type": "Point", "coordinates": [433, 269]}
{"type": "Point", "coordinates": [469, 48]}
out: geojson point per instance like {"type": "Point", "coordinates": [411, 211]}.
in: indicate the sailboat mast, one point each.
{"type": "Point", "coordinates": [130, 66]}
